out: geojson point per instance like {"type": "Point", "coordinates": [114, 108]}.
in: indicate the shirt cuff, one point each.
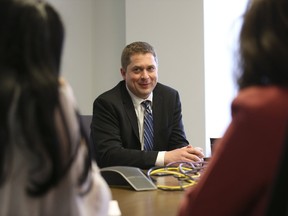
{"type": "Point", "coordinates": [160, 159]}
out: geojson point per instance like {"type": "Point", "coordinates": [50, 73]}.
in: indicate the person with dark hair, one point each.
{"type": "Point", "coordinates": [45, 158]}
{"type": "Point", "coordinates": [125, 132]}
{"type": "Point", "coordinates": [243, 171]}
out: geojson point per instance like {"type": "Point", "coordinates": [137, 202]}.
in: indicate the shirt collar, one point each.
{"type": "Point", "coordinates": [136, 100]}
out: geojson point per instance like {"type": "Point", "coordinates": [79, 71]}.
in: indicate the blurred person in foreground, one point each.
{"type": "Point", "coordinates": [118, 125]}
{"type": "Point", "coordinates": [45, 162]}
{"type": "Point", "coordinates": [248, 170]}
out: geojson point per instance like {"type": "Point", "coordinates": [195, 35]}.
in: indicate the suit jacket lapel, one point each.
{"type": "Point", "coordinates": [157, 113]}
{"type": "Point", "coordinates": [129, 109]}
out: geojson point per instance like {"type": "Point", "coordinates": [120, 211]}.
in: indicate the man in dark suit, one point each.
{"type": "Point", "coordinates": [117, 128]}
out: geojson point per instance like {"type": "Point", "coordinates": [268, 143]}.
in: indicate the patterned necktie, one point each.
{"type": "Point", "coordinates": [148, 126]}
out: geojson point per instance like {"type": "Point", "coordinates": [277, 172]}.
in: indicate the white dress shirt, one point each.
{"type": "Point", "coordinates": [139, 109]}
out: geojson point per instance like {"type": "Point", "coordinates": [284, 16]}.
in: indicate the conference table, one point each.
{"type": "Point", "coordinates": [147, 203]}
{"type": "Point", "coordinates": [157, 202]}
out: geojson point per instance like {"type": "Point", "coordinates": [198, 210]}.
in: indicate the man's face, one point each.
{"type": "Point", "coordinates": [141, 75]}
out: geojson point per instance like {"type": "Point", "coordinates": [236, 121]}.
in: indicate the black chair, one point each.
{"type": "Point", "coordinates": [212, 143]}
{"type": "Point", "coordinates": [86, 122]}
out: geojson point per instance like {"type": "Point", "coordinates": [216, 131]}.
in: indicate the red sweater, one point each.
{"type": "Point", "coordinates": [240, 174]}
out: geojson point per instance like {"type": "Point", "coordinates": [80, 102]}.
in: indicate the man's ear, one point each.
{"type": "Point", "coordinates": [123, 73]}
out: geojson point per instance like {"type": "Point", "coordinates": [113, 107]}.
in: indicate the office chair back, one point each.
{"type": "Point", "coordinates": [212, 143]}
{"type": "Point", "coordinates": [86, 121]}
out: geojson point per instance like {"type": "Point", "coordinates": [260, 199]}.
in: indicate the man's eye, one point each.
{"type": "Point", "coordinates": [151, 69]}
{"type": "Point", "coordinates": [137, 70]}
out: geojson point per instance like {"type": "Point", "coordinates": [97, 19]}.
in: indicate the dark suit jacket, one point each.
{"type": "Point", "coordinates": [115, 133]}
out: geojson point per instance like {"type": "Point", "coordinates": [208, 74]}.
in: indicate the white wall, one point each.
{"type": "Point", "coordinates": [221, 30]}
{"type": "Point", "coordinates": [95, 36]}
{"type": "Point", "coordinates": [77, 65]}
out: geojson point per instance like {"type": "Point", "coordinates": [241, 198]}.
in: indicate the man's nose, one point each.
{"type": "Point", "coordinates": [144, 74]}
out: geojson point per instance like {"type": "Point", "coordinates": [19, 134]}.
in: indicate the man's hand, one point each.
{"type": "Point", "coordinates": [184, 154]}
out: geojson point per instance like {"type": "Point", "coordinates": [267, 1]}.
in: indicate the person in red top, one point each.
{"type": "Point", "coordinates": [245, 165]}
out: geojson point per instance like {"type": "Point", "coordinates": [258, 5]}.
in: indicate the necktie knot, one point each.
{"type": "Point", "coordinates": [147, 105]}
